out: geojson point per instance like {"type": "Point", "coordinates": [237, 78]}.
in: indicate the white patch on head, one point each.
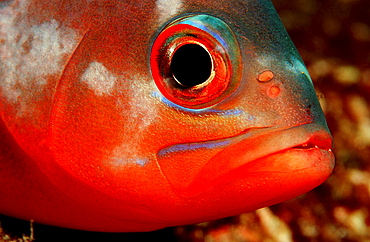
{"type": "Point", "coordinates": [141, 103]}
{"type": "Point", "coordinates": [142, 108]}
{"type": "Point", "coordinates": [167, 9]}
{"type": "Point", "coordinates": [30, 53]}
{"type": "Point", "coordinates": [123, 159]}
{"type": "Point", "coordinates": [99, 78]}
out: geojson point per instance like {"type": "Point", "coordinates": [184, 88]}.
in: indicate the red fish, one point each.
{"type": "Point", "coordinates": [124, 115]}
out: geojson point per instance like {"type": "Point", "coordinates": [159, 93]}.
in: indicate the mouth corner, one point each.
{"type": "Point", "coordinates": [317, 151]}
{"type": "Point", "coordinates": [318, 140]}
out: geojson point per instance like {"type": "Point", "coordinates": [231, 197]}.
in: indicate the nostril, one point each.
{"type": "Point", "coordinates": [273, 91]}
{"type": "Point", "coordinates": [265, 76]}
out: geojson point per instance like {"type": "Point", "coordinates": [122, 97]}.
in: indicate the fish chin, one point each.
{"type": "Point", "coordinates": [270, 180]}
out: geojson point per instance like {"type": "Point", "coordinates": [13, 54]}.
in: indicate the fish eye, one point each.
{"type": "Point", "coordinates": [195, 61]}
{"type": "Point", "coordinates": [191, 65]}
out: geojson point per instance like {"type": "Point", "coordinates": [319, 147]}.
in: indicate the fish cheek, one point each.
{"type": "Point", "coordinates": [93, 135]}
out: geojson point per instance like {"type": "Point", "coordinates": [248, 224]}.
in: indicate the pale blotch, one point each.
{"type": "Point", "coordinates": [167, 9]}
{"type": "Point", "coordinates": [30, 53]}
{"type": "Point", "coordinates": [142, 105]}
{"type": "Point", "coordinates": [99, 78]}
{"type": "Point", "coordinates": [120, 158]}
{"type": "Point", "coordinates": [141, 108]}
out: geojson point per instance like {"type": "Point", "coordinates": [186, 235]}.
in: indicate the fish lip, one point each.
{"type": "Point", "coordinates": [250, 147]}
{"type": "Point", "coordinates": [313, 143]}
{"type": "Point", "coordinates": [318, 143]}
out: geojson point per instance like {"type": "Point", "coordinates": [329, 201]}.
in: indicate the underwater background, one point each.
{"type": "Point", "coordinates": [333, 38]}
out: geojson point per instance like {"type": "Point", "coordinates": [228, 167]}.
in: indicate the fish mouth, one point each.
{"type": "Point", "coordinates": [270, 153]}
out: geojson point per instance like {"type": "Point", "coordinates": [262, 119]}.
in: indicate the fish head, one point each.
{"type": "Point", "coordinates": [175, 112]}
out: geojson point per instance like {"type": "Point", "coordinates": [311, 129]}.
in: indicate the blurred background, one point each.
{"type": "Point", "coordinates": [333, 37]}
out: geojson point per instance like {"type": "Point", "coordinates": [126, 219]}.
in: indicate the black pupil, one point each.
{"type": "Point", "coordinates": [191, 65]}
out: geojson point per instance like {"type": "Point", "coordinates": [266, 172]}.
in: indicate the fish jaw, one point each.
{"type": "Point", "coordinates": [266, 153]}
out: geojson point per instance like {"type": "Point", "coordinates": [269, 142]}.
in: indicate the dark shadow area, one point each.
{"type": "Point", "coordinates": [16, 228]}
